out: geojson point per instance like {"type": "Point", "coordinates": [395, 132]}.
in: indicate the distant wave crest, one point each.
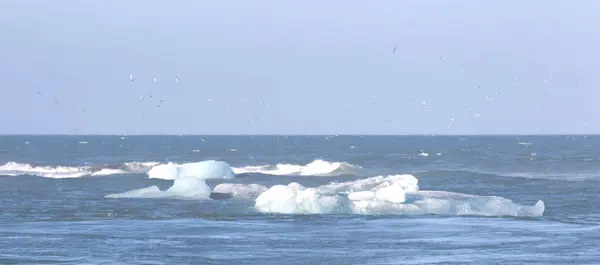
{"type": "Point", "coordinates": [19, 169]}
{"type": "Point", "coordinates": [159, 170]}
{"type": "Point", "coordinates": [317, 167]}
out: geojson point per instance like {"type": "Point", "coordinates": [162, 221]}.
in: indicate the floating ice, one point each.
{"type": "Point", "coordinates": [237, 190]}
{"type": "Point", "coordinates": [183, 188]}
{"type": "Point", "coordinates": [315, 168]}
{"type": "Point", "coordinates": [210, 169]}
{"type": "Point", "coordinates": [397, 194]}
{"type": "Point", "coordinates": [296, 199]}
{"type": "Point", "coordinates": [189, 180]}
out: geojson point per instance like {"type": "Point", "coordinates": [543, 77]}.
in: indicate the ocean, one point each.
{"type": "Point", "coordinates": [299, 199]}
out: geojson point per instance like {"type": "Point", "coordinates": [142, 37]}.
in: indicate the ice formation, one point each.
{"type": "Point", "coordinates": [397, 194]}
{"type": "Point", "coordinates": [189, 180]}
{"type": "Point", "coordinates": [210, 169]}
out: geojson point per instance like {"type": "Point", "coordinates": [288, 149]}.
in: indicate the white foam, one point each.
{"type": "Point", "coordinates": [18, 169]}
{"type": "Point", "coordinates": [317, 167]}
{"type": "Point", "coordinates": [397, 194]}
{"type": "Point", "coordinates": [189, 180]}
{"type": "Point", "coordinates": [140, 167]}
{"type": "Point", "coordinates": [108, 171]}
{"type": "Point", "coordinates": [58, 171]}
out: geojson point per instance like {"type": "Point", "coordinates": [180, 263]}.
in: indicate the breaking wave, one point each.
{"type": "Point", "coordinates": [165, 171]}
{"type": "Point", "coordinates": [315, 168]}
{"type": "Point", "coordinates": [18, 169]}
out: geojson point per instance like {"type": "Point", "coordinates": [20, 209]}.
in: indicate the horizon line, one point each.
{"type": "Point", "coordinates": [306, 134]}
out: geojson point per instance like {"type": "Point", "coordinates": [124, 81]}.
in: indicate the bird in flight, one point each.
{"type": "Point", "coordinates": [395, 47]}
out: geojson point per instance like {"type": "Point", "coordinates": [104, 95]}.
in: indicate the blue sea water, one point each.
{"type": "Point", "coordinates": [62, 200]}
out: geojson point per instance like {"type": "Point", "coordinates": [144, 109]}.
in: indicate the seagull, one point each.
{"type": "Point", "coordinates": [131, 78]}
{"type": "Point", "coordinates": [395, 47]}
{"type": "Point", "coordinates": [39, 93]}
{"type": "Point", "coordinates": [176, 80]}
{"type": "Point", "coordinates": [154, 78]}
{"type": "Point", "coordinates": [83, 110]}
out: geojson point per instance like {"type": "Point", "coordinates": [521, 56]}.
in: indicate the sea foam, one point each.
{"type": "Point", "coordinates": [61, 171]}
{"type": "Point", "coordinates": [317, 167]}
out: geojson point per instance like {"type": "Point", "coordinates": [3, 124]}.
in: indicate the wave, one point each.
{"type": "Point", "coordinates": [317, 167]}
{"type": "Point", "coordinates": [555, 176]}
{"type": "Point", "coordinates": [19, 169]}
{"type": "Point", "coordinates": [165, 171]}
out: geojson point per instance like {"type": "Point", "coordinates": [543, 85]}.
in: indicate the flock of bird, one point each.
{"type": "Point", "coordinates": [423, 104]}
{"type": "Point", "coordinates": [160, 102]}
{"type": "Point", "coordinates": [487, 98]}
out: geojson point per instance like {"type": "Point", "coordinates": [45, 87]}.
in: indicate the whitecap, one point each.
{"type": "Point", "coordinates": [59, 171]}
{"type": "Point", "coordinates": [317, 167]}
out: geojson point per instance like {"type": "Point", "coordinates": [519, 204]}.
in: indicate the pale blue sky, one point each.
{"type": "Point", "coordinates": [317, 66]}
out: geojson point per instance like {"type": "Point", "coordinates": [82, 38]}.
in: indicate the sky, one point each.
{"type": "Point", "coordinates": [299, 67]}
